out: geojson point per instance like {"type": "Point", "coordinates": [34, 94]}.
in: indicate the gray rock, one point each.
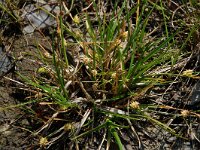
{"type": "Point", "coordinates": [39, 16]}
{"type": "Point", "coordinates": [5, 62]}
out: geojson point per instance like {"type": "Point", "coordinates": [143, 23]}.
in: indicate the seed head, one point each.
{"type": "Point", "coordinates": [188, 73]}
{"type": "Point", "coordinates": [43, 141]}
{"type": "Point", "coordinates": [87, 60]}
{"type": "Point", "coordinates": [76, 19]}
{"type": "Point", "coordinates": [185, 113]}
{"type": "Point", "coordinates": [114, 75]}
{"type": "Point", "coordinates": [135, 105]}
{"type": "Point", "coordinates": [94, 73]}
{"type": "Point", "coordinates": [124, 35]}
{"type": "Point", "coordinates": [68, 127]}
{"type": "Point", "coordinates": [95, 86]}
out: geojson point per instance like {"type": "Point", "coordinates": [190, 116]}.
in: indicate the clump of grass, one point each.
{"type": "Point", "coordinates": [93, 86]}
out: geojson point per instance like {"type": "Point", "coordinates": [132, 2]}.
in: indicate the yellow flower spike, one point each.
{"type": "Point", "coordinates": [42, 70]}
{"type": "Point", "coordinates": [43, 141]}
{"type": "Point", "coordinates": [65, 42]}
{"type": "Point", "coordinates": [76, 19]}
{"type": "Point", "coordinates": [185, 113]}
{"type": "Point", "coordinates": [188, 73]}
{"type": "Point", "coordinates": [63, 107]}
{"type": "Point", "coordinates": [135, 105]}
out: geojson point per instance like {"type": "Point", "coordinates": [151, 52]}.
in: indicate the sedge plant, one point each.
{"type": "Point", "coordinates": [98, 77]}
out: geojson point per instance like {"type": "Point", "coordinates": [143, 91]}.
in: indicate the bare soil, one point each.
{"type": "Point", "coordinates": [13, 120]}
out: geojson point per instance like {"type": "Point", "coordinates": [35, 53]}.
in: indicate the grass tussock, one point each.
{"type": "Point", "coordinates": [112, 74]}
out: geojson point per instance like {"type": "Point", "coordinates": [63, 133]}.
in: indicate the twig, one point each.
{"type": "Point", "coordinates": [85, 92]}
